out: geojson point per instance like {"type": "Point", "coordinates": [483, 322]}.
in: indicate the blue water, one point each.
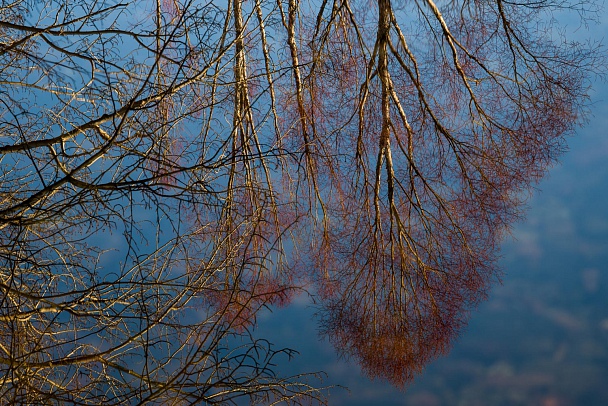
{"type": "Point", "coordinates": [541, 338]}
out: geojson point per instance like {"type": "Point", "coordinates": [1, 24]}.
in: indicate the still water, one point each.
{"type": "Point", "coordinates": [541, 338]}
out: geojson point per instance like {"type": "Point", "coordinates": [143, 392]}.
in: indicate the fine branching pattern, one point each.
{"type": "Point", "coordinates": [169, 168]}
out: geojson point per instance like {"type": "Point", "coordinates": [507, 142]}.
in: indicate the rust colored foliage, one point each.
{"type": "Point", "coordinates": [170, 168]}
{"type": "Point", "coordinates": [425, 126]}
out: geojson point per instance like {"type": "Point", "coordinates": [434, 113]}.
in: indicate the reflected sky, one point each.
{"type": "Point", "coordinates": [542, 336]}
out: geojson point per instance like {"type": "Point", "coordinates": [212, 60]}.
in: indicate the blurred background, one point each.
{"type": "Point", "coordinates": [541, 338]}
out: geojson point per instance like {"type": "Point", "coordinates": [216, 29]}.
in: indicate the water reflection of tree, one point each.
{"type": "Point", "coordinates": [243, 149]}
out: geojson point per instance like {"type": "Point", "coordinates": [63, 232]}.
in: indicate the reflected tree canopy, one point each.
{"type": "Point", "coordinates": [169, 168]}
